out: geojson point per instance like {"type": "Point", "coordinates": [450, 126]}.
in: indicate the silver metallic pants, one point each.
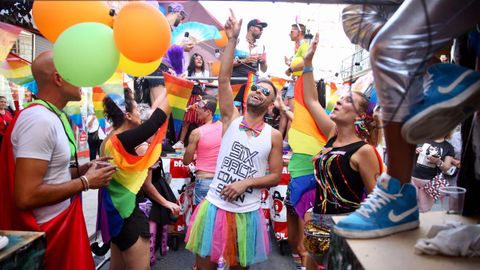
{"type": "Point", "coordinates": [401, 49]}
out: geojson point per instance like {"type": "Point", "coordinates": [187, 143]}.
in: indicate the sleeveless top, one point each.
{"type": "Point", "coordinates": [240, 157]}
{"type": "Point", "coordinates": [341, 189]}
{"type": "Point", "coordinates": [208, 146]}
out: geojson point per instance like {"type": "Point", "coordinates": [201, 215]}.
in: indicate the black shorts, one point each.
{"type": "Point", "coordinates": [134, 226]}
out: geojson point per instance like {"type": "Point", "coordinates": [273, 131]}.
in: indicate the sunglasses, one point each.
{"type": "Point", "coordinates": [259, 27]}
{"type": "Point", "coordinates": [265, 91]}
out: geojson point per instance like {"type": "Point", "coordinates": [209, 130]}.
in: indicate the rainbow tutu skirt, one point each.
{"type": "Point", "coordinates": [240, 238]}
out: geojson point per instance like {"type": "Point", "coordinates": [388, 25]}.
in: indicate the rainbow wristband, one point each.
{"type": "Point", "coordinates": [307, 69]}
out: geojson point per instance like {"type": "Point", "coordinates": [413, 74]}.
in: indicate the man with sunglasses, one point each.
{"type": "Point", "coordinates": [249, 146]}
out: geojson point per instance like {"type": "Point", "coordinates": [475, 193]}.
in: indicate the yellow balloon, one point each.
{"type": "Point", "coordinates": [137, 69]}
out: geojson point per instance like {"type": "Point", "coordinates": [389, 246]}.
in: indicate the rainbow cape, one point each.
{"type": "Point", "coordinates": [304, 136]}
{"type": "Point", "coordinates": [179, 91]}
{"type": "Point", "coordinates": [16, 69]}
{"type": "Point", "coordinates": [117, 201]}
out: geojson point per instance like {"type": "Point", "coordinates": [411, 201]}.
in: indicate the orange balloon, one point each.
{"type": "Point", "coordinates": [53, 17]}
{"type": "Point", "coordinates": [222, 42]}
{"type": "Point", "coordinates": [215, 69]}
{"type": "Point", "coordinates": [141, 32]}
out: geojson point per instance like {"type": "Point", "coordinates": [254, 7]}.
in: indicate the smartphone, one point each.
{"type": "Point", "coordinates": [186, 37]}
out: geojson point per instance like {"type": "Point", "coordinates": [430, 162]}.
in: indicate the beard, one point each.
{"type": "Point", "coordinates": [256, 108]}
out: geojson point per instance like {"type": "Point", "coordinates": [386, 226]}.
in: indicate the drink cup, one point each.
{"type": "Point", "coordinates": [452, 199]}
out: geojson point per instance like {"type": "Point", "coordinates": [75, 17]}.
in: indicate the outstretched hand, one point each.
{"type": "Point", "coordinates": [311, 51]}
{"type": "Point", "coordinates": [232, 26]}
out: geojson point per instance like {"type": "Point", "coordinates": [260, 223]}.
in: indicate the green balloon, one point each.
{"type": "Point", "coordinates": [85, 54]}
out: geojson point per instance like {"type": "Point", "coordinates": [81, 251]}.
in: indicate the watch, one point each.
{"type": "Point", "coordinates": [290, 70]}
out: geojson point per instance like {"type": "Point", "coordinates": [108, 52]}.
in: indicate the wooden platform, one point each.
{"type": "Point", "coordinates": [397, 251]}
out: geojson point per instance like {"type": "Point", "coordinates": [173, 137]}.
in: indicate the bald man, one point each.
{"type": "Point", "coordinates": [39, 187]}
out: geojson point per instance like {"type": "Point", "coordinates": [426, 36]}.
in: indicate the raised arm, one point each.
{"type": "Point", "coordinates": [310, 95]}
{"type": "Point", "coordinates": [225, 96]}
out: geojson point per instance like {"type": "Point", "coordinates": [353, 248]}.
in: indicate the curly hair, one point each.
{"type": "Point", "coordinates": [113, 113]}
{"type": "Point", "coordinates": [370, 133]}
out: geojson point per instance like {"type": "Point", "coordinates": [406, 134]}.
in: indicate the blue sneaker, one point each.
{"type": "Point", "coordinates": [452, 95]}
{"type": "Point", "coordinates": [390, 208]}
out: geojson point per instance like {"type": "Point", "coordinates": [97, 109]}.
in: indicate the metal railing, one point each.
{"type": "Point", "coordinates": [355, 65]}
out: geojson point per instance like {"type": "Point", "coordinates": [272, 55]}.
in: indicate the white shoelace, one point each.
{"type": "Point", "coordinates": [375, 201]}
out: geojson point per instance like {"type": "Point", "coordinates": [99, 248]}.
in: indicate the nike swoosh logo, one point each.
{"type": "Point", "coordinates": [397, 218]}
{"type": "Point", "coordinates": [448, 89]}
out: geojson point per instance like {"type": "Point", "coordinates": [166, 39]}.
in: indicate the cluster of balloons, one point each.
{"type": "Point", "coordinates": [90, 43]}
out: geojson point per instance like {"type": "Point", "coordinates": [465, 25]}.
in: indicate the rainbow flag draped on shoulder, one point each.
{"type": "Point", "coordinates": [117, 201]}
{"type": "Point", "coordinates": [304, 136]}
{"type": "Point", "coordinates": [179, 91]}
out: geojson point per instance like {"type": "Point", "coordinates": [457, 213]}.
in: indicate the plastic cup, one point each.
{"type": "Point", "coordinates": [452, 199]}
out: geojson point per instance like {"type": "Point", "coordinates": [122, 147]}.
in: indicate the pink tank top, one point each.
{"type": "Point", "coordinates": [208, 146]}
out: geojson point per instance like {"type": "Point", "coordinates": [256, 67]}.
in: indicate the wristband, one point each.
{"type": "Point", "coordinates": [83, 184]}
{"type": "Point", "coordinates": [85, 180]}
{"type": "Point", "coordinates": [307, 69]}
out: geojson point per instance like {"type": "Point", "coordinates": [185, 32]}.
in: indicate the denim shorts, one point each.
{"type": "Point", "coordinates": [201, 189]}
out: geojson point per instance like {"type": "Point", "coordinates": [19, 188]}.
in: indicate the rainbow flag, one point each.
{"type": "Point", "coordinates": [251, 80]}
{"type": "Point", "coordinates": [72, 109]}
{"type": "Point", "coordinates": [304, 136]}
{"type": "Point", "coordinates": [235, 90]}
{"type": "Point", "coordinates": [278, 82]}
{"type": "Point", "coordinates": [178, 93]}
{"type": "Point", "coordinates": [332, 97]}
{"type": "Point", "coordinates": [16, 69]}
{"type": "Point", "coordinates": [8, 36]}
{"type": "Point", "coordinates": [114, 88]}
{"type": "Point", "coordinates": [97, 98]}
{"type": "Point", "coordinates": [117, 201]}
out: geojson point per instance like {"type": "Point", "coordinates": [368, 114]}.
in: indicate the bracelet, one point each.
{"type": "Point", "coordinates": [290, 70]}
{"type": "Point", "coordinates": [83, 183]}
{"type": "Point", "coordinates": [85, 180]}
{"type": "Point", "coordinates": [441, 164]}
{"type": "Point", "coordinates": [307, 69]}
{"type": "Point", "coordinates": [286, 109]}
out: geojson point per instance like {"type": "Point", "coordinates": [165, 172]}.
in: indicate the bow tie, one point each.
{"type": "Point", "coordinates": [244, 126]}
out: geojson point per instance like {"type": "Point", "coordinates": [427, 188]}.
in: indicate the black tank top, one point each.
{"type": "Point", "coordinates": [341, 189]}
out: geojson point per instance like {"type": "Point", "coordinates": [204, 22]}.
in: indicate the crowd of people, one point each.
{"type": "Point", "coordinates": [240, 154]}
